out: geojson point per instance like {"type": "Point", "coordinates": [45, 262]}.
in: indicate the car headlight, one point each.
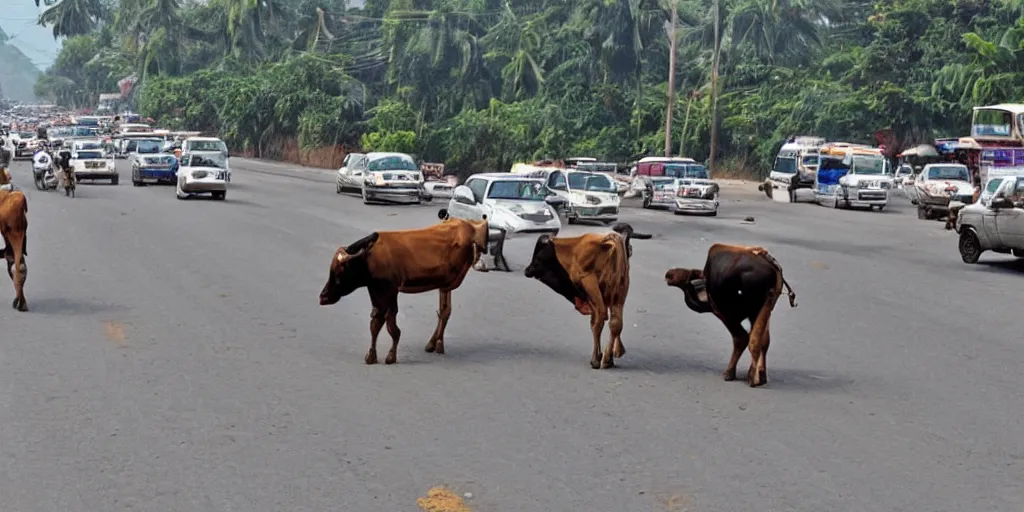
{"type": "Point", "coordinates": [886, 185]}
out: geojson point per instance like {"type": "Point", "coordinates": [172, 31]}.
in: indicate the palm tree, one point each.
{"type": "Point", "coordinates": [72, 17]}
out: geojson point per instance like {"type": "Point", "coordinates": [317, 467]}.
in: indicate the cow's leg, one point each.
{"type": "Point", "coordinates": [16, 259]}
{"type": "Point", "coordinates": [444, 311]}
{"type": "Point", "coordinates": [740, 340]}
{"type": "Point", "coordinates": [615, 324]}
{"type": "Point", "coordinates": [376, 324]}
{"type": "Point", "coordinates": [391, 318]}
{"type": "Point", "coordinates": [598, 317]}
{"type": "Point", "coordinates": [757, 375]}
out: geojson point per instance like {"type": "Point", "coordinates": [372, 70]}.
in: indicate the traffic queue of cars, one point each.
{"type": "Point", "coordinates": [194, 164]}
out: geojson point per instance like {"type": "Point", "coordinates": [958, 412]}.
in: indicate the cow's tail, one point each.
{"type": "Point", "coordinates": [781, 281]}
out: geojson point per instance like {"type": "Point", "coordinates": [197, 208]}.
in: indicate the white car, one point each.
{"type": "Point", "coordinates": [208, 146]}
{"type": "Point", "coordinates": [202, 173]}
{"type": "Point", "coordinates": [589, 196]}
{"type": "Point", "coordinates": [512, 202]}
{"type": "Point", "coordinates": [350, 175]}
{"type": "Point", "coordinates": [990, 188]}
{"type": "Point", "coordinates": [92, 161]}
{"type": "Point", "coordinates": [391, 178]}
{"type": "Point", "coordinates": [997, 226]}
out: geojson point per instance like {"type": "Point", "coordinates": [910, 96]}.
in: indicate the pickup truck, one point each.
{"type": "Point", "coordinates": [996, 226]}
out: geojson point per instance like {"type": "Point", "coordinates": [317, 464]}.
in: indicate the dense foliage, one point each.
{"type": "Point", "coordinates": [479, 84]}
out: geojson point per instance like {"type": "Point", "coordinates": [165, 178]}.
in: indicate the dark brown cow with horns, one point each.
{"type": "Point", "coordinates": [738, 283]}
{"type": "Point", "coordinates": [592, 272]}
{"type": "Point", "coordinates": [413, 261]}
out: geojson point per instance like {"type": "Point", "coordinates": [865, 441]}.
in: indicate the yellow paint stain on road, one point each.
{"type": "Point", "coordinates": [440, 499]}
{"type": "Point", "coordinates": [678, 502]}
{"type": "Point", "coordinates": [115, 333]}
{"type": "Point", "coordinates": [820, 265]}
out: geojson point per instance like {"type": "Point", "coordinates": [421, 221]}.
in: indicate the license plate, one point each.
{"type": "Point", "coordinates": [92, 165]}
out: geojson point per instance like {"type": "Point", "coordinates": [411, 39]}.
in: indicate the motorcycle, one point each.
{"type": "Point", "coordinates": [44, 176]}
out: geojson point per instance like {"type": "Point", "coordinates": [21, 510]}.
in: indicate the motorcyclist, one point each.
{"type": "Point", "coordinates": [41, 163]}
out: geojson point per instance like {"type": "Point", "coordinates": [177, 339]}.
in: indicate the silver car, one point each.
{"type": "Point", "coordinates": [512, 202]}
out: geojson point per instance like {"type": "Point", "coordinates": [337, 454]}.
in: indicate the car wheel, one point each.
{"type": "Point", "coordinates": [366, 200]}
{"type": "Point", "coordinates": [337, 187]}
{"type": "Point", "coordinates": [835, 202]}
{"type": "Point", "coordinates": [713, 214]}
{"type": "Point", "coordinates": [220, 196]}
{"type": "Point", "coordinates": [178, 192]}
{"type": "Point", "coordinates": [970, 246]}
{"type": "Point", "coordinates": [572, 220]}
{"type": "Point", "coordinates": [113, 181]}
{"type": "Point", "coordinates": [922, 213]}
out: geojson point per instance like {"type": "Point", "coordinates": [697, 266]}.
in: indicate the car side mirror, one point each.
{"type": "Point", "coordinates": [554, 201]}
{"type": "Point", "coordinates": [1000, 202]}
{"type": "Point", "coordinates": [464, 195]}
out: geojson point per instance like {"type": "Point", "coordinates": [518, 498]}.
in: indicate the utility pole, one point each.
{"type": "Point", "coordinates": [714, 88]}
{"type": "Point", "coordinates": [671, 79]}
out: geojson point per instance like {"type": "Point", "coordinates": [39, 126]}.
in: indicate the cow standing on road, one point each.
{"type": "Point", "coordinates": [592, 272]}
{"type": "Point", "coordinates": [14, 229]}
{"type": "Point", "coordinates": [738, 283]}
{"type": "Point", "coordinates": [413, 261]}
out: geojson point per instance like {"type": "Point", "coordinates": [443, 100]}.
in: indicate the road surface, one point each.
{"type": "Point", "coordinates": [175, 358]}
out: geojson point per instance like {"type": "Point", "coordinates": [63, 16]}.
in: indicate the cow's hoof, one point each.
{"type": "Point", "coordinates": [596, 363]}
{"type": "Point", "coordinates": [20, 305]}
{"type": "Point", "coordinates": [431, 346]}
{"type": "Point", "coordinates": [391, 358]}
{"type": "Point", "coordinates": [729, 375]}
{"type": "Point", "coordinates": [371, 357]}
{"type": "Point", "coordinates": [609, 364]}
{"type": "Point", "coordinates": [619, 351]}
{"type": "Point", "coordinates": [439, 348]}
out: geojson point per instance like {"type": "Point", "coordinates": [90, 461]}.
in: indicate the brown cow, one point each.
{"type": "Point", "coordinates": [592, 272]}
{"type": "Point", "coordinates": [738, 283]}
{"type": "Point", "coordinates": [14, 229]}
{"type": "Point", "coordinates": [413, 261]}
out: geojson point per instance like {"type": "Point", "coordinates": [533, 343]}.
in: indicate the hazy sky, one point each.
{"type": "Point", "coordinates": [18, 19]}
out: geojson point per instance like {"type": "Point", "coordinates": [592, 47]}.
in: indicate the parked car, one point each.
{"type": "Point", "coordinates": [91, 161]}
{"type": "Point", "coordinates": [512, 202]}
{"type": "Point", "coordinates": [350, 175]}
{"type": "Point", "coordinates": [202, 174]}
{"type": "Point", "coordinates": [589, 196]}
{"type": "Point", "coordinates": [390, 177]}
{"type": "Point", "coordinates": [937, 187]}
{"type": "Point", "coordinates": [997, 226]}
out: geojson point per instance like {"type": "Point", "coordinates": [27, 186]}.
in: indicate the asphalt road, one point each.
{"type": "Point", "coordinates": [175, 358]}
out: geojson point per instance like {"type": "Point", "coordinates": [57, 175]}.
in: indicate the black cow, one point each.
{"type": "Point", "coordinates": [738, 283]}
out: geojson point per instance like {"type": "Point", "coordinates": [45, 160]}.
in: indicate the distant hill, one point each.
{"type": "Point", "coordinates": [19, 74]}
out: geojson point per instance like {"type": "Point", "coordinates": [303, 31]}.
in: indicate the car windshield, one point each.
{"type": "Point", "coordinates": [591, 182]}
{"type": "Point", "coordinates": [148, 146]}
{"type": "Point", "coordinates": [208, 161]}
{"type": "Point", "coordinates": [90, 155]}
{"type": "Point", "coordinates": [160, 160]}
{"type": "Point", "coordinates": [392, 163]}
{"type": "Point", "coordinates": [949, 172]}
{"type": "Point", "coordinates": [785, 165]}
{"type": "Point", "coordinates": [663, 184]}
{"type": "Point", "coordinates": [810, 160]}
{"type": "Point", "coordinates": [686, 171]}
{"type": "Point", "coordinates": [869, 164]}
{"type": "Point", "coordinates": [26, 135]}
{"type": "Point", "coordinates": [207, 145]}
{"type": "Point", "coordinates": [527, 190]}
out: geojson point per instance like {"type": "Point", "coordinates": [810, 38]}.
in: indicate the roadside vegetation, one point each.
{"type": "Point", "coordinates": [480, 84]}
